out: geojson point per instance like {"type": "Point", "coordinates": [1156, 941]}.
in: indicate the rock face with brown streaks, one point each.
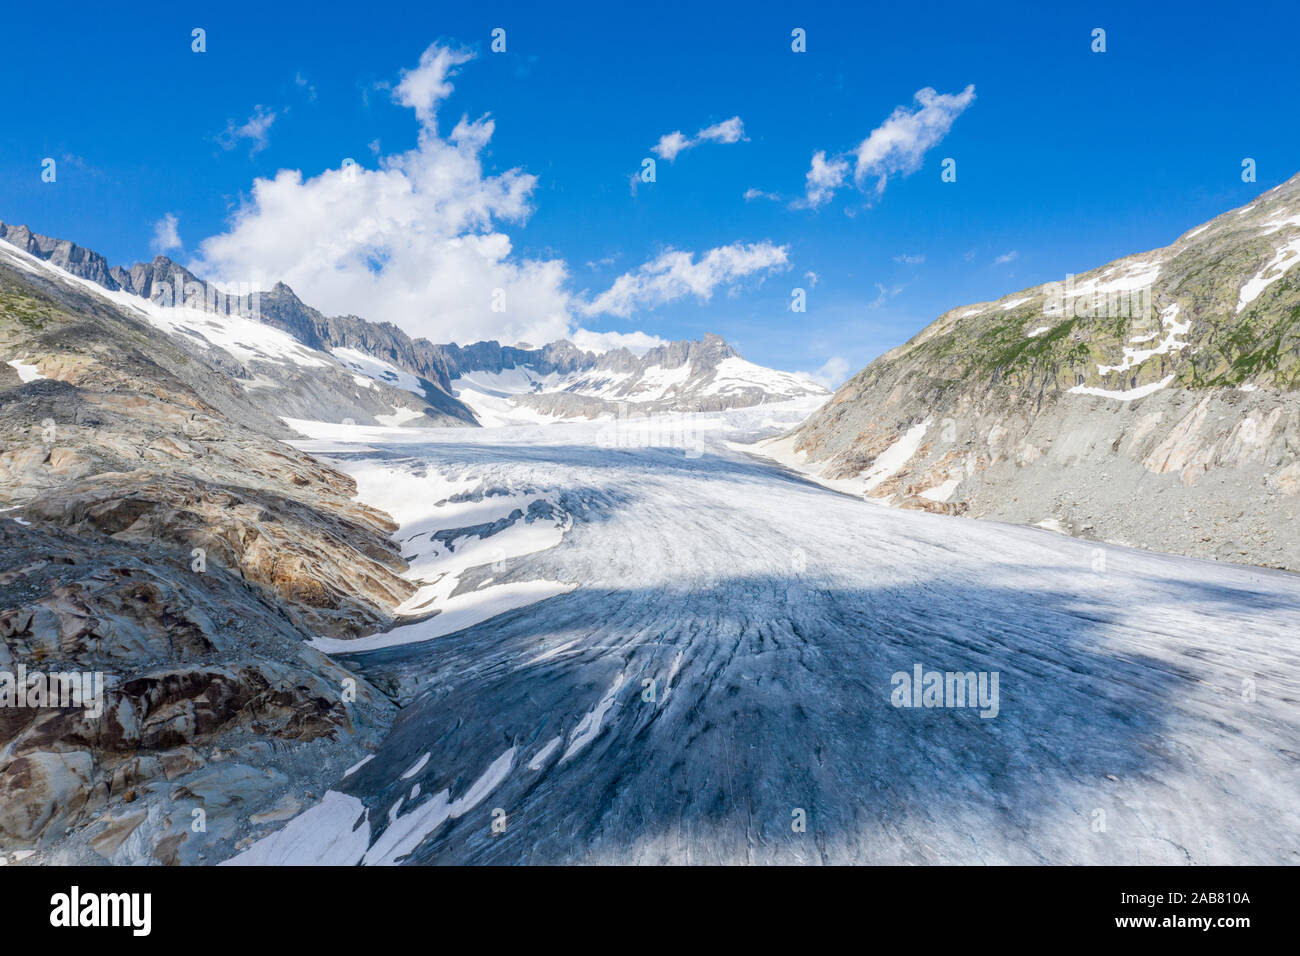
{"type": "Point", "coordinates": [157, 543]}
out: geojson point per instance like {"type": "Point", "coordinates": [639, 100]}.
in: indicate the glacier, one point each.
{"type": "Point", "coordinates": [693, 665]}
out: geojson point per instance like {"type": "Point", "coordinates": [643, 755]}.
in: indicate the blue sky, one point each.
{"type": "Point", "coordinates": [1065, 158]}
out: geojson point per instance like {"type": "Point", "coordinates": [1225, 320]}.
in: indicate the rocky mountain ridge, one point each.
{"type": "Point", "coordinates": [556, 380]}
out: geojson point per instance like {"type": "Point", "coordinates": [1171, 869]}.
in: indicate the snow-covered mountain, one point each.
{"type": "Point", "coordinates": [1154, 400]}
{"type": "Point", "coordinates": [242, 338]}
{"type": "Point", "coordinates": [703, 376]}
{"type": "Point", "coordinates": [339, 368]}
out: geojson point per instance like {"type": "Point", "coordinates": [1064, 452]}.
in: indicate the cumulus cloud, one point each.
{"type": "Point", "coordinates": [899, 144]}
{"type": "Point", "coordinates": [415, 241]}
{"type": "Point", "coordinates": [421, 240]}
{"type": "Point", "coordinates": [895, 147]}
{"type": "Point", "coordinates": [823, 179]}
{"type": "Point", "coordinates": [674, 275]}
{"type": "Point", "coordinates": [671, 145]}
{"type": "Point", "coordinates": [831, 375]}
{"type": "Point", "coordinates": [751, 194]}
{"type": "Point", "coordinates": [638, 343]}
{"type": "Point", "coordinates": [256, 130]}
{"type": "Point", "coordinates": [424, 87]}
{"type": "Point", "coordinates": [728, 131]}
{"type": "Point", "coordinates": [166, 236]}
{"type": "Point", "coordinates": [1005, 258]}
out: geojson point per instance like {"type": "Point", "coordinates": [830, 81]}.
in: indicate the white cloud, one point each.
{"type": "Point", "coordinates": [1005, 258]}
{"type": "Point", "coordinates": [638, 343]}
{"type": "Point", "coordinates": [672, 144]}
{"type": "Point", "coordinates": [257, 130]}
{"type": "Point", "coordinates": [831, 375]}
{"type": "Point", "coordinates": [728, 131]}
{"type": "Point", "coordinates": [751, 194]}
{"type": "Point", "coordinates": [424, 87]}
{"type": "Point", "coordinates": [415, 242]}
{"type": "Point", "coordinates": [823, 179]}
{"type": "Point", "coordinates": [674, 275]}
{"type": "Point", "coordinates": [166, 236]}
{"type": "Point", "coordinates": [899, 144]}
{"type": "Point", "coordinates": [420, 240]}
{"type": "Point", "coordinates": [812, 278]}
{"type": "Point", "coordinates": [910, 260]}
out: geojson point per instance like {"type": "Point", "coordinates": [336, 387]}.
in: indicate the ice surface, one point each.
{"type": "Point", "coordinates": [727, 655]}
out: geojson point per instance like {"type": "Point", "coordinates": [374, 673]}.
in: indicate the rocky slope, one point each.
{"type": "Point", "coordinates": [152, 532]}
{"type": "Point", "coordinates": [1153, 401]}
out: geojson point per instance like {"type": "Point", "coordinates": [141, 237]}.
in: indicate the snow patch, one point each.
{"type": "Point", "coordinates": [942, 492]}
{"type": "Point", "coordinates": [455, 614]}
{"type": "Point", "coordinates": [28, 373]}
{"type": "Point", "coordinates": [1135, 357]}
{"type": "Point", "coordinates": [358, 765]}
{"type": "Point", "coordinates": [539, 759]}
{"type": "Point", "coordinates": [399, 416]}
{"type": "Point", "coordinates": [589, 726]}
{"type": "Point", "coordinates": [377, 369]}
{"type": "Point", "coordinates": [1285, 258]}
{"type": "Point", "coordinates": [895, 456]}
{"type": "Point", "coordinates": [335, 832]}
{"type": "Point", "coordinates": [888, 462]}
{"type": "Point", "coordinates": [415, 768]}
{"type": "Point", "coordinates": [1126, 395]}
